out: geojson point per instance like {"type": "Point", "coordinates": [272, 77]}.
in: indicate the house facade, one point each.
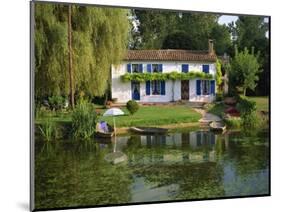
{"type": "Point", "coordinates": [163, 62]}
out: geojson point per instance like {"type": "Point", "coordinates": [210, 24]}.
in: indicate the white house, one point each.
{"type": "Point", "coordinates": [165, 61]}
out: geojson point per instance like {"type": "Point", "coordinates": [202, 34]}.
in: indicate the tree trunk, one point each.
{"type": "Point", "coordinates": [70, 69]}
{"type": "Point", "coordinates": [244, 92]}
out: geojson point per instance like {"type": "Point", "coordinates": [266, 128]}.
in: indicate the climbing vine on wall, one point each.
{"type": "Point", "coordinates": [142, 77]}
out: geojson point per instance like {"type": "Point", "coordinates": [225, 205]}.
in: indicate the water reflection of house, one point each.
{"type": "Point", "coordinates": [196, 146]}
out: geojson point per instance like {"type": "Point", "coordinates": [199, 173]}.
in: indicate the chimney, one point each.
{"type": "Point", "coordinates": [211, 46]}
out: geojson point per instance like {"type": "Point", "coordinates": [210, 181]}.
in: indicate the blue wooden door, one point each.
{"type": "Point", "coordinates": [135, 86]}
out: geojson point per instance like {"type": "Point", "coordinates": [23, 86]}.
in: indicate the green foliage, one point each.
{"type": "Point", "coordinates": [178, 40]}
{"type": "Point", "coordinates": [174, 30]}
{"type": "Point", "coordinates": [251, 31]}
{"type": "Point", "coordinates": [250, 120]}
{"type": "Point", "coordinates": [84, 120]}
{"type": "Point", "coordinates": [153, 28]}
{"type": "Point", "coordinates": [219, 97]}
{"type": "Point", "coordinates": [246, 106]}
{"type": "Point", "coordinates": [142, 77]}
{"type": "Point", "coordinates": [244, 70]}
{"type": "Point", "coordinates": [94, 38]}
{"type": "Point", "coordinates": [249, 117]}
{"type": "Point", "coordinates": [48, 130]}
{"type": "Point", "coordinates": [233, 122]}
{"type": "Point", "coordinates": [218, 73]}
{"type": "Point", "coordinates": [222, 40]}
{"type": "Point", "coordinates": [56, 102]}
{"type": "Point", "coordinates": [132, 106]}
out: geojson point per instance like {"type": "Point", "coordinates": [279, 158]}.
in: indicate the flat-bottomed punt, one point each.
{"type": "Point", "coordinates": [217, 126]}
{"type": "Point", "coordinates": [149, 130]}
{"type": "Point", "coordinates": [104, 130]}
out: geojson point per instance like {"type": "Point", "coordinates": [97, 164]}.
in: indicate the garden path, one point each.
{"type": "Point", "coordinates": [207, 117]}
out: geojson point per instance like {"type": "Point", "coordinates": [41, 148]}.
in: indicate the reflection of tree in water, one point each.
{"type": "Point", "coordinates": [76, 174]}
{"type": "Point", "coordinates": [248, 154]}
{"type": "Point", "coordinates": [195, 180]}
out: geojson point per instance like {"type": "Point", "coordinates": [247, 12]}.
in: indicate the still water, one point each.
{"type": "Point", "coordinates": [179, 166]}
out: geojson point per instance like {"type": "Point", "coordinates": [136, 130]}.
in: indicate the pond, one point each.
{"type": "Point", "coordinates": [181, 165]}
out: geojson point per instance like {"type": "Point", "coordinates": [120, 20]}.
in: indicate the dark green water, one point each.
{"type": "Point", "coordinates": [178, 166]}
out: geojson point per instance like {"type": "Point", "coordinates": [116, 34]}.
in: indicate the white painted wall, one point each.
{"type": "Point", "coordinates": [122, 91]}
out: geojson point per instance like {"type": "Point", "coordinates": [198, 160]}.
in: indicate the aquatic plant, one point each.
{"type": "Point", "coordinates": [83, 120]}
{"type": "Point", "coordinates": [48, 130]}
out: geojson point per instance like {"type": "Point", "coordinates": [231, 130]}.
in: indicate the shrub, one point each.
{"type": "Point", "coordinates": [56, 102]}
{"type": "Point", "coordinates": [132, 106]}
{"type": "Point", "coordinates": [250, 120]}
{"type": "Point", "coordinates": [246, 106]}
{"type": "Point", "coordinates": [233, 122]}
{"type": "Point", "coordinates": [247, 109]}
{"type": "Point", "coordinates": [219, 97]}
{"type": "Point", "coordinates": [83, 120]}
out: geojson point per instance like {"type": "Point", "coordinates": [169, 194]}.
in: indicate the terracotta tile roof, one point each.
{"type": "Point", "coordinates": [170, 55]}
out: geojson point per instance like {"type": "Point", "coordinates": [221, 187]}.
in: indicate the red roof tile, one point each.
{"type": "Point", "coordinates": [170, 55]}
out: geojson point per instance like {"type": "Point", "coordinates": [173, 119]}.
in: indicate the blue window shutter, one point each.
{"type": "Point", "coordinates": [160, 67]}
{"type": "Point", "coordinates": [149, 68]}
{"type": "Point", "coordinates": [147, 86]}
{"type": "Point", "coordinates": [140, 68]}
{"type": "Point", "coordinates": [163, 89]}
{"type": "Point", "coordinates": [129, 68]}
{"type": "Point", "coordinates": [198, 87]}
{"type": "Point", "coordinates": [206, 69]}
{"type": "Point", "coordinates": [184, 68]}
{"type": "Point", "coordinates": [212, 86]}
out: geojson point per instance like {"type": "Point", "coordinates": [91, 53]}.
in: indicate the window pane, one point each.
{"type": "Point", "coordinates": [155, 68]}
{"type": "Point", "coordinates": [205, 85]}
{"type": "Point", "coordinates": [156, 87]}
{"type": "Point", "coordinates": [136, 68]}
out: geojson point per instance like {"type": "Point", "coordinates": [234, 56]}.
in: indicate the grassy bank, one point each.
{"type": "Point", "coordinates": [156, 115]}
{"type": "Point", "coordinates": [262, 102]}
{"type": "Point", "coordinates": [145, 116]}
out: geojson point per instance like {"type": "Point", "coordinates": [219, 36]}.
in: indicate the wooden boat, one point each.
{"type": "Point", "coordinates": [149, 130]}
{"type": "Point", "coordinates": [102, 133]}
{"type": "Point", "coordinates": [217, 126]}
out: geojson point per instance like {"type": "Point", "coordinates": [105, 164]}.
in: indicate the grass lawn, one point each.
{"type": "Point", "coordinates": [145, 116]}
{"type": "Point", "coordinates": [156, 115]}
{"type": "Point", "coordinates": [262, 102]}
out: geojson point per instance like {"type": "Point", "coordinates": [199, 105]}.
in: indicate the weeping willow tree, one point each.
{"type": "Point", "coordinates": [99, 39]}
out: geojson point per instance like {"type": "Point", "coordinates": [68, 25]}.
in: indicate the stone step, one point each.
{"type": "Point", "coordinates": [195, 104]}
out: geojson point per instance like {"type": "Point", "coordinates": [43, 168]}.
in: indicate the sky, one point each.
{"type": "Point", "coordinates": [226, 19]}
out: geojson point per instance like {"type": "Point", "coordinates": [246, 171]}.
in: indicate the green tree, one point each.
{"type": "Point", "coordinates": [96, 44]}
{"type": "Point", "coordinates": [222, 40]}
{"type": "Point", "coordinates": [178, 40]}
{"type": "Point", "coordinates": [153, 27]}
{"type": "Point", "coordinates": [250, 31]}
{"type": "Point", "coordinates": [244, 70]}
{"type": "Point", "coordinates": [199, 27]}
